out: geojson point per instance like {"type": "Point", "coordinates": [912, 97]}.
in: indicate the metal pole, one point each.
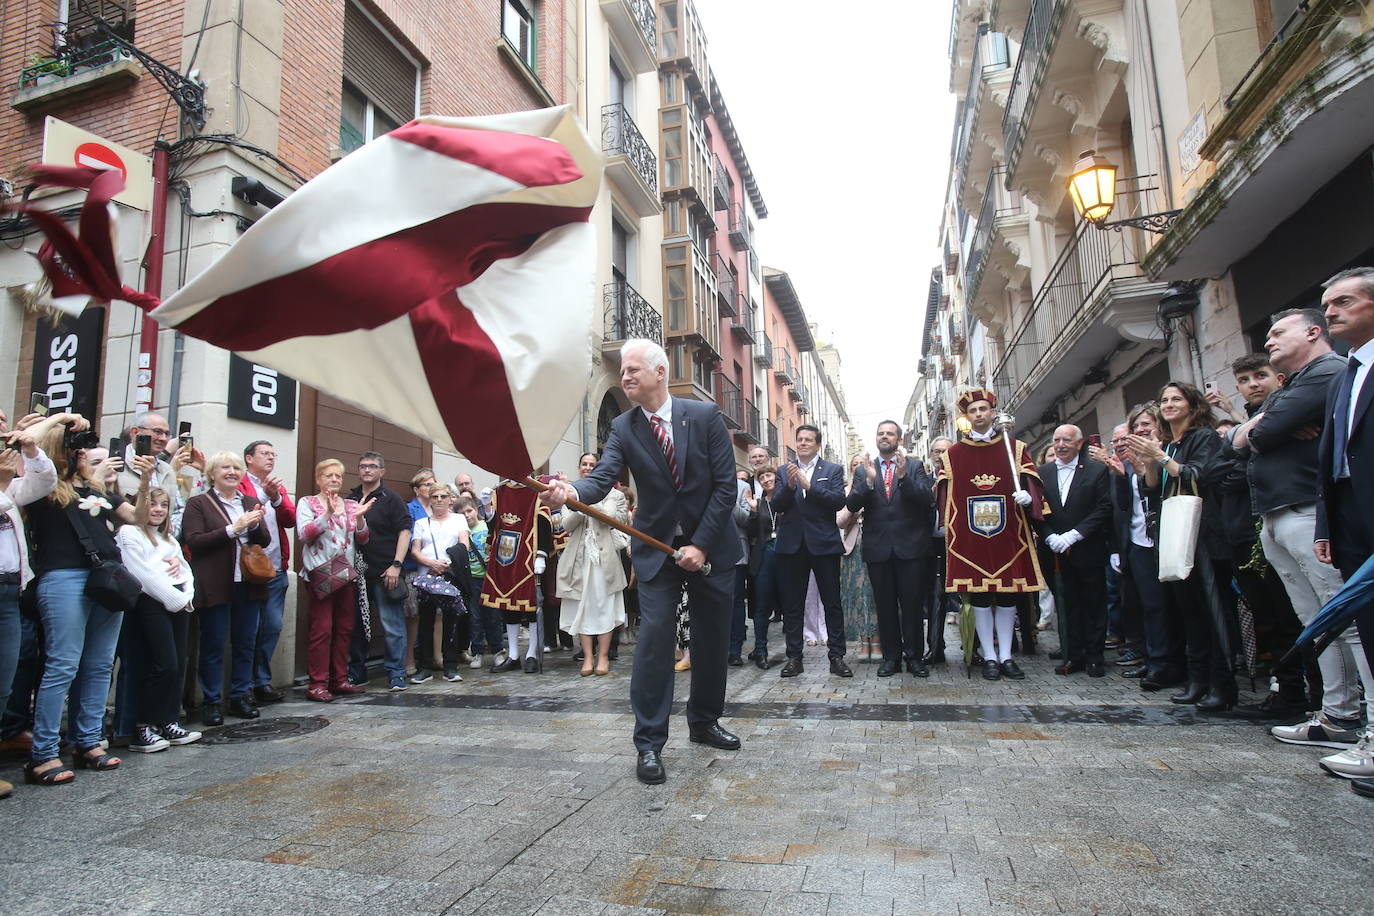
{"type": "Point", "coordinates": [146, 370]}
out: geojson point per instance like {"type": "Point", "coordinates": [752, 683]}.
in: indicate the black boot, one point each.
{"type": "Point", "coordinates": [1195, 692]}
{"type": "Point", "coordinates": [1219, 699]}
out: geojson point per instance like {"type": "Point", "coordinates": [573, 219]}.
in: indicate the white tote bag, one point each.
{"type": "Point", "coordinates": [1180, 518]}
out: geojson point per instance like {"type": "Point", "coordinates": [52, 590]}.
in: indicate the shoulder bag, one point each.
{"type": "Point", "coordinates": [255, 566]}
{"type": "Point", "coordinates": [1180, 519]}
{"type": "Point", "coordinates": [109, 585]}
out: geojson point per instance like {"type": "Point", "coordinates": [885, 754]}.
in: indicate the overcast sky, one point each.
{"type": "Point", "coordinates": [845, 115]}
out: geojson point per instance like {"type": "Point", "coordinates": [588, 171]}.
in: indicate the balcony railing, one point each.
{"type": "Point", "coordinates": [982, 238]}
{"type": "Point", "coordinates": [743, 322]}
{"type": "Point", "coordinates": [720, 183]}
{"type": "Point", "coordinates": [968, 111]}
{"type": "Point", "coordinates": [634, 23]}
{"type": "Point", "coordinates": [763, 351]}
{"type": "Point", "coordinates": [783, 370]}
{"type": "Point", "coordinates": [740, 233]}
{"type": "Point", "coordinates": [70, 60]}
{"type": "Point", "coordinates": [770, 437]}
{"type": "Point", "coordinates": [750, 430]}
{"type": "Point", "coordinates": [1059, 313]}
{"type": "Point", "coordinates": [728, 400]}
{"type": "Point", "coordinates": [725, 285]}
{"type": "Point", "coordinates": [803, 399]}
{"type": "Point", "coordinates": [620, 136]}
{"type": "Point", "coordinates": [958, 343]}
{"type": "Point", "coordinates": [629, 315]}
{"type": "Point", "coordinates": [1037, 46]}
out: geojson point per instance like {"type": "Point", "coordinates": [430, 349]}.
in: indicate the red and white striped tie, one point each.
{"type": "Point", "coordinates": [666, 443]}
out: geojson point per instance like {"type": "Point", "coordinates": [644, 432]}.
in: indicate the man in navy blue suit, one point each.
{"type": "Point", "coordinates": [898, 501]}
{"type": "Point", "coordinates": [808, 493]}
{"type": "Point", "coordinates": [684, 471]}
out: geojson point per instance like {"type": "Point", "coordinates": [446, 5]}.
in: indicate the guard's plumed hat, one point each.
{"type": "Point", "coordinates": [973, 395]}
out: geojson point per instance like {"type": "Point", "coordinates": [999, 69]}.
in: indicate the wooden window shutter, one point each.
{"type": "Point", "coordinates": [377, 67]}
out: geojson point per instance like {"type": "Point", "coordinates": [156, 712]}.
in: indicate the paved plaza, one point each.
{"type": "Point", "coordinates": [515, 794]}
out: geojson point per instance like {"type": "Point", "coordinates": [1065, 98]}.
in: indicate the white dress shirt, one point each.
{"type": "Point", "coordinates": [983, 437]}
{"type": "Point", "coordinates": [273, 529]}
{"type": "Point", "coordinates": [1138, 535]}
{"type": "Point", "coordinates": [665, 414]}
{"type": "Point", "coordinates": [1065, 472]}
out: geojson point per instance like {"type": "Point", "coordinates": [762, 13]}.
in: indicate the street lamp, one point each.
{"type": "Point", "coordinates": [1092, 186]}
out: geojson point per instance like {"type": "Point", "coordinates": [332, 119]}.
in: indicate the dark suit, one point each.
{"type": "Point", "coordinates": [896, 536]}
{"type": "Point", "coordinates": [1083, 567]}
{"type": "Point", "coordinates": [1345, 509]}
{"type": "Point", "coordinates": [809, 544]}
{"type": "Point", "coordinates": [700, 514]}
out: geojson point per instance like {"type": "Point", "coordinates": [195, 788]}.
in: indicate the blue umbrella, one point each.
{"type": "Point", "coordinates": [1338, 613]}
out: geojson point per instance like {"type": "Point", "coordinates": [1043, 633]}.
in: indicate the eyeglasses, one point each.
{"type": "Point", "coordinates": [156, 431]}
{"type": "Point", "coordinates": [442, 496]}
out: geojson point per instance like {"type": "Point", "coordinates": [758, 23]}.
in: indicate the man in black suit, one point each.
{"type": "Point", "coordinates": [684, 470]}
{"type": "Point", "coordinates": [1076, 535]}
{"type": "Point", "coordinates": [808, 494]}
{"type": "Point", "coordinates": [898, 502]}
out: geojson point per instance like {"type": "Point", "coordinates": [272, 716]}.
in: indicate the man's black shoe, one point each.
{"type": "Point", "coordinates": [211, 714]}
{"type": "Point", "coordinates": [510, 664]}
{"type": "Point", "coordinates": [1068, 668]}
{"type": "Point", "coordinates": [1363, 787]}
{"type": "Point", "coordinates": [839, 668]}
{"type": "Point", "coordinates": [735, 661]}
{"type": "Point", "coordinates": [265, 695]}
{"type": "Point", "coordinates": [934, 658]}
{"type": "Point", "coordinates": [1139, 671]}
{"type": "Point", "coordinates": [243, 708]}
{"type": "Point", "coordinates": [531, 665]}
{"type": "Point", "coordinates": [1095, 669]}
{"type": "Point", "coordinates": [792, 668]}
{"type": "Point", "coordinates": [649, 770]}
{"type": "Point", "coordinates": [713, 735]}
{"type": "Point", "coordinates": [916, 668]}
{"type": "Point", "coordinates": [1130, 657]}
{"type": "Point", "coordinates": [1012, 670]}
{"type": "Point", "coordinates": [888, 668]}
{"type": "Point", "coordinates": [991, 670]}
{"type": "Point", "coordinates": [761, 661]}
{"type": "Point", "coordinates": [1274, 706]}
{"type": "Point", "coordinates": [1152, 682]}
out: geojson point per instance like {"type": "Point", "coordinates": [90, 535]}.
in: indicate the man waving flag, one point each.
{"type": "Point", "coordinates": [458, 248]}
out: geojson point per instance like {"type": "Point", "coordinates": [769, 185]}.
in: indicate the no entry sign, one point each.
{"type": "Point", "coordinates": [66, 144]}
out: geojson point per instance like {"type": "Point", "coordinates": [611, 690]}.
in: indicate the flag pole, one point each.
{"type": "Point", "coordinates": [618, 525]}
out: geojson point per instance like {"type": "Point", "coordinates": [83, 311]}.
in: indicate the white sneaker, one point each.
{"type": "Point", "coordinates": [1353, 763]}
{"type": "Point", "coordinates": [146, 740]}
{"type": "Point", "coordinates": [476, 662]}
{"type": "Point", "coordinates": [1318, 731]}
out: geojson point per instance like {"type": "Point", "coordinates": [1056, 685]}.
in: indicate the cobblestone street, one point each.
{"type": "Point", "coordinates": [515, 794]}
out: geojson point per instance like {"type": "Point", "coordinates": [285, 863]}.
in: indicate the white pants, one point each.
{"type": "Point", "coordinates": [1287, 540]}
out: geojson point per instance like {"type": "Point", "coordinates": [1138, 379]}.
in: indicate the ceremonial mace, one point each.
{"type": "Point", "coordinates": [618, 525]}
{"type": "Point", "coordinates": [1005, 422]}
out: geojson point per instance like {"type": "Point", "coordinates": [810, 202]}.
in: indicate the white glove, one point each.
{"type": "Point", "coordinates": [539, 566]}
{"type": "Point", "coordinates": [1072, 537]}
{"type": "Point", "coordinates": [1055, 542]}
{"type": "Point", "coordinates": [1115, 560]}
{"type": "Point", "coordinates": [1022, 498]}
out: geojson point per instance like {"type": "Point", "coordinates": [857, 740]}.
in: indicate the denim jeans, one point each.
{"type": "Point", "coordinates": [18, 715]}
{"type": "Point", "coordinates": [393, 618]}
{"type": "Point", "coordinates": [766, 597]}
{"type": "Point", "coordinates": [269, 630]}
{"type": "Point", "coordinates": [11, 636]}
{"type": "Point", "coordinates": [238, 621]}
{"type": "Point", "coordinates": [488, 635]}
{"type": "Point", "coordinates": [80, 638]}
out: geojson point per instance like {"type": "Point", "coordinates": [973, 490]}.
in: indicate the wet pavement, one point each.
{"type": "Point", "coordinates": [515, 794]}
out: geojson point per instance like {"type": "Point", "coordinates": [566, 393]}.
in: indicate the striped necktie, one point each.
{"type": "Point", "coordinates": [665, 443]}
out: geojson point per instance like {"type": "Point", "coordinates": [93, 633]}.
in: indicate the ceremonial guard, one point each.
{"type": "Point", "coordinates": [519, 545]}
{"type": "Point", "coordinates": [986, 513]}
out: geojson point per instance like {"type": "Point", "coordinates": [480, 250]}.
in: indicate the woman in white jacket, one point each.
{"type": "Point", "coordinates": [156, 643]}
{"type": "Point", "coordinates": [591, 580]}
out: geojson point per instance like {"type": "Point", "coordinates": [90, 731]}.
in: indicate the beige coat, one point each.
{"type": "Point", "coordinates": [593, 549]}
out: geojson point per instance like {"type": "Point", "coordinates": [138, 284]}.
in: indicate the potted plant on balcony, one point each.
{"type": "Point", "coordinates": [947, 368]}
{"type": "Point", "coordinates": [42, 70]}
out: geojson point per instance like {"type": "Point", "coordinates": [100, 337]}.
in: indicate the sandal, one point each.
{"type": "Point", "coordinates": [84, 761]}
{"type": "Point", "coordinates": [49, 777]}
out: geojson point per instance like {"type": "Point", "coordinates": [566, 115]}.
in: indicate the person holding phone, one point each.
{"type": "Point", "coordinates": [170, 476]}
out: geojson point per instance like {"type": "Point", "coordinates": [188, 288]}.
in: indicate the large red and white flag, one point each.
{"type": "Point", "coordinates": [441, 277]}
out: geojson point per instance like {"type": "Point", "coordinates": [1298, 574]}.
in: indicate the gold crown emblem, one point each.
{"type": "Point", "coordinates": [985, 481]}
{"type": "Point", "coordinates": [510, 518]}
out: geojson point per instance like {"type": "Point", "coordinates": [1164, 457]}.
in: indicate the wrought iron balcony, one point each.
{"type": "Point", "coordinates": [958, 343]}
{"type": "Point", "coordinates": [783, 370]}
{"type": "Point", "coordinates": [743, 322]}
{"type": "Point", "coordinates": [729, 402]}
{"type": "Point", "coordinates": [998, 203]}
{"type": "Point", "coordinates": [630, 160]}
{"type": "Point", "coordinates": [740, 233]}
{"type": "Point", "coordinates": [1037, 46]}
{"type": "Point", "coordinates": [798, 390]}
{"type": "Point", "coordinates": [726, 285]}
{"type": "Point", "coordinates": [635, 24]}
{"type": "Point", "coordinates": [720, 183]}
{"type": "Point", "coordinates": [749, 430]}
{"type": "Point", "coordinates": [628, 314]}
{"type": "Point", "coordinates": [770, 437]}
{"type": "Point", "coordinates": [763, 351]}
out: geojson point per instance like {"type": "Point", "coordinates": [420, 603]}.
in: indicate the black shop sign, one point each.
{"type": "Point", "coordinates": [66, 361]}
{"type": "Point", "coordinates": [260, 394]}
